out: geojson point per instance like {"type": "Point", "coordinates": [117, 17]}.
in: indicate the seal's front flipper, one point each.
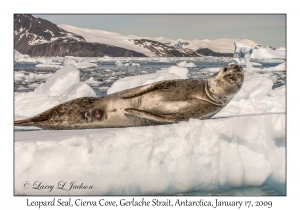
{"type": "Point", "coordinates": [151, 116]}
{"type": "Point", "coordinates": [148, 88]}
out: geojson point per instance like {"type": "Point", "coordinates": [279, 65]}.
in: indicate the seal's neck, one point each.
{"type": "Point", "coordinates": [211, 95]}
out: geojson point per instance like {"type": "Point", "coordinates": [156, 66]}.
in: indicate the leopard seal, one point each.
{"type": "Point", "coordinates": [157, 103]}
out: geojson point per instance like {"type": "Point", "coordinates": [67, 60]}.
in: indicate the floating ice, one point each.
{"type": "Point", "coordinates": [20, 58]}
{"type": "Point", "coordinates": [92, 82]}
{"type": "Point", "coordinates": [119, 63]}
{"type": "Point", "coordinates": [60, 87]}
{"type": "Point", "coordinates": [280, 67]}
{"type": "Point", "coordinates": [247, 52]}
{"type": "Point", "coordinates": [60, 81]}
{"type": "Point", "coordinates": [48, 66]}
{"type": "Point", "coordinates": [185, 64]}
{"type": "Point", "coordinates": [69, 61]}
{"type": "Point", "coordinates": [86, 64]}
{"type": "Point", "coordinates": [170, 73]}
{"type": "Point", "coordinates": [18, 76]}
{"type": "Point", "coordinates": [76, 91]}
{"type": "Point", "coordinates": [195, 155]}
{"type": "Point", "coordinates": [83, 63]}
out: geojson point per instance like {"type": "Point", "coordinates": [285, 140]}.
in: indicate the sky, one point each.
{"type": "Point", "coordinates": [267, 29]}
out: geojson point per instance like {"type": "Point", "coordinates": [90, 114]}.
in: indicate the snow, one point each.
{"type": "Point", "coordinates": [223, 45]}
{"type": "Point", "coordinates": [185, 64]}
{"type": "Point", "coordinates": [170, 73]}
{"type": "Point", "coordinates": [194, 155]}
{"type": "Point", "coordinates": [105, 37]}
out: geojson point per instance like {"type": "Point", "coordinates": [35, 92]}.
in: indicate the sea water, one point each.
{"type": "Point", "coordinates": [106, 73]}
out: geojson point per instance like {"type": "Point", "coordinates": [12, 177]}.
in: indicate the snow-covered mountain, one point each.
{"type": "Point", "coordinates": [38, 37]}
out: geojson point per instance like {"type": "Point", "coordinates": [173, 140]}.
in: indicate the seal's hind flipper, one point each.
{"type": "Point", "coordinates": [45, 117]}
{"type": "Point", "coordinates": [148, 88]}
{"type": "Point", "coordinates": [151, 116]}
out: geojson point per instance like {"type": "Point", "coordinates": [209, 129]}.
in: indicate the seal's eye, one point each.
{"type": "Point", "coordinates": [225, 69]}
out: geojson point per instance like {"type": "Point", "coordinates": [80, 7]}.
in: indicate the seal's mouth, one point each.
{"type": "Point", "coordinates": [233, 74]}
{"type": "Point", "coordinates": [234, 77]}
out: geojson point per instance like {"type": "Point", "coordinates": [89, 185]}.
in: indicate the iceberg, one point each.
{"type": "Point", "coordinates": [245, 51]}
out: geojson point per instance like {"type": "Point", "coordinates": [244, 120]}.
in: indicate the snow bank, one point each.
{"type": "Point", "coordinates": [185, 64]}
{"type": "Point", "coordinates": [170, 73]}
{"type": "Point", "coordinates": [187, 156]}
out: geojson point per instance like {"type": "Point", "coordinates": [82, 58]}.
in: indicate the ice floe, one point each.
{"type": "Point", "coordinates": [185, 64]}
{"type": "Point", "coordinates": [195, 155]}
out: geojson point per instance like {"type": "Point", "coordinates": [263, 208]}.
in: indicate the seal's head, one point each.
{"type": "Point", "coordinates": [227, 82]}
